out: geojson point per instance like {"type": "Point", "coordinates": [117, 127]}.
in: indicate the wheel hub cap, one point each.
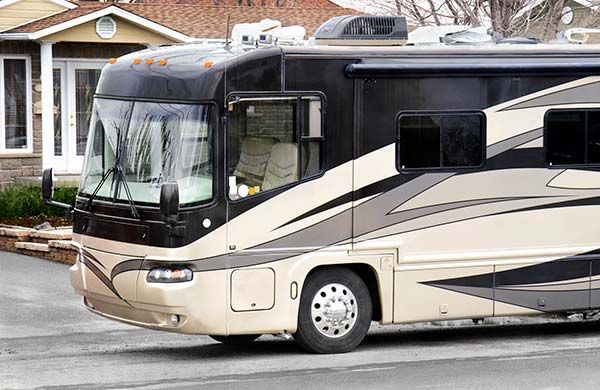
{"type": "Point", "coordinates": [334, 310]}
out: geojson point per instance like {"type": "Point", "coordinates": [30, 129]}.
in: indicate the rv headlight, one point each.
{"type": "Point", "coordinates": [169, 275]}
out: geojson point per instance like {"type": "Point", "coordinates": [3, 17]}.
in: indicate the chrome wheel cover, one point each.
{"type": "Point", "coordinates": [334, 310]}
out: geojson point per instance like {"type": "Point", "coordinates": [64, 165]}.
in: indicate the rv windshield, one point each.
{"type": "Point", "coordinates": [153, 143]}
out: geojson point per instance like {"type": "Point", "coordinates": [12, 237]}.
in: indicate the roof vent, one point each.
{"type": "Point", "coordinates": [106, 27]}
{"type": "Point", "coordinates": [363, 30]}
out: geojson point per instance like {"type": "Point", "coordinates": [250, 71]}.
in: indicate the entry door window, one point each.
{"type": "Point", "coordinates": [273, 142]}
{"type": "Point", "coordinates": [57, 78]}
{"type": "Point", "coordinates": [86, 81]}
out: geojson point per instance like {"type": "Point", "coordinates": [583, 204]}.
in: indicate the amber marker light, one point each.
{"type": "Point", "coordinates": [149, 61]}
{"type": "Point", "coordinates": [137, 61]}
{"type": "Point", "coordinates": [162, 62]}
{"type": "Point", "coordinates": [112, 61]}
{"type": "Point", "coordinates": [208, 64]}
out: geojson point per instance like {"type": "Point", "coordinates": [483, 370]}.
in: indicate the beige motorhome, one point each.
{"type": "Point", "coordinates": [240, 190]}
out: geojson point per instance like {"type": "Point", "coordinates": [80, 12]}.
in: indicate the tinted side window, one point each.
{"type": "Point", "coordinates": [572, 137]}
{"type": "Point", "coordinates": [565, 137]}
{"type": "Point", "coordinates": [440, 140]}
{"type": "Point", "coordinates": [593, 137]}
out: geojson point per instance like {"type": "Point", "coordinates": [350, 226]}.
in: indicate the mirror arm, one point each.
{"type": "Point", "coordinates": [61, 205]}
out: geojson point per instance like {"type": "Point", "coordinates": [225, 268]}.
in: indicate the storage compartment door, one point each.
{"type": "Point", "coordinates": [252, 289]}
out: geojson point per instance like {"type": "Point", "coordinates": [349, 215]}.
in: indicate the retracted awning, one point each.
{"type": "Point", "coordinates": [423, 68]}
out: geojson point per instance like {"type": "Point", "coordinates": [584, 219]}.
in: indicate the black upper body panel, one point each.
{"type": "Point", "coordinates": [361, 108]}
{"type": "Point", "coordinates": [191, 73]}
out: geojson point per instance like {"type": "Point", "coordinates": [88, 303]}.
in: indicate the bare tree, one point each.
{"type": "Point", "coordinates": [505, 17]}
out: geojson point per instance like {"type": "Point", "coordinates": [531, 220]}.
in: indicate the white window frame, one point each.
{"type": "Point", "coordinates": [28, 111]}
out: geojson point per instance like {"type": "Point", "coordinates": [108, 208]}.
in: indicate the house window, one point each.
{"type": "Point", "coordinates": [572, 137]}
{"type": "Point", "coordinates": [273, 142]}
{"type": "Point", "coordinates": [15, 100]}
{"type": "Point", "coordinates": [440, 140]}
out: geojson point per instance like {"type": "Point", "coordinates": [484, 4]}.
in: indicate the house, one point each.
{"type": "Point", "coordinates": [534, 20]}
{"type": "Point", "coordinates": [52, 52]}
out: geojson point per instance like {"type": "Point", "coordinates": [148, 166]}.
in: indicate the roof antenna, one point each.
{"type": "Point", "coordinates": [227, 45]}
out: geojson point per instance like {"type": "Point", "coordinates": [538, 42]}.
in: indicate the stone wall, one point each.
{"type": "Point", "coordinates": [51, 244]}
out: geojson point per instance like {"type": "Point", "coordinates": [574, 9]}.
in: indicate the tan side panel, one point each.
{"type": "Point", "coordinates": [504, 309]}
{"type": "Point", "coordinates": [25, 11]}
{"type": "Point", "coordinates": [252, 289]}
{"type": "Point", "coordinates": [126, 33]}
{"type": "Point", "coordinates": [416, 302]}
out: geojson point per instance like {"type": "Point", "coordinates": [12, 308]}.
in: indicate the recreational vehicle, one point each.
{"type": "Point", "coordinates": [237, 190]}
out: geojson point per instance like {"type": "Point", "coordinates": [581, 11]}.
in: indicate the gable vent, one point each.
{"type": "Point", "coordinates": [363, 30]}
{"type": "Point", "coordinates": [106, 27]}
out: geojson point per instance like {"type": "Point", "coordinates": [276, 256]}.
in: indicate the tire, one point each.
{"type": "Point", "coordinates": [338, 321]}
{"type": "Point", "coordinates": [237, 339]}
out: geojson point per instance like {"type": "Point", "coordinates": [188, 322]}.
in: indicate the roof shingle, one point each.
{"type": "Point", "coordinates": [201, 21]}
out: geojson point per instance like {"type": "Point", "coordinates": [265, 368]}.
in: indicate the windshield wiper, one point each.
{"type": "Point", "coordinates": [97, 189]}
{"type": "Point", "coordinates": [122, 179]}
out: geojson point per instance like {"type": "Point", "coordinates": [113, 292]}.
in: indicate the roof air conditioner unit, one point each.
{"type": "Point", "coordinates": [363, 31]}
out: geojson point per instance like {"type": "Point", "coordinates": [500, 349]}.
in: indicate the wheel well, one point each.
{"type": "Point", "coordinates": [368, 276]}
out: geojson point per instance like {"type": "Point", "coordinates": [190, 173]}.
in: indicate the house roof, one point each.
{"type": "Point", "coordinates": [195, 21]}
{"type": "Point", "coordinates": [321, 4]}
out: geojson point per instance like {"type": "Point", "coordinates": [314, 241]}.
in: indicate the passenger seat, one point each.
{"type": "Point", "coordinates": [253, 160]}
{"type": "Point", "coordinates": [282, 167]}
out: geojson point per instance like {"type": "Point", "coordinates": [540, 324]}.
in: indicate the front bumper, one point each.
{"type": "Point", "coordinates": [200, 303]}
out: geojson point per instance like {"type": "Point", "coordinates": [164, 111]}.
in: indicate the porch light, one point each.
{"type": "Point", "coordinates": [169, 275]}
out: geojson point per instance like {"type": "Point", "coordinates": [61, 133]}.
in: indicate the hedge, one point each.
{"type": "Point", "coordinates": [26, 201]}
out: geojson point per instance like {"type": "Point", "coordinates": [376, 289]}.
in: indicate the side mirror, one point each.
{"type": "Point", "coordinates": [47, 185]}
{"type": "Point", "coordinates": [169, 199]}
{"type": "Point", "coordinates": [48, 192]}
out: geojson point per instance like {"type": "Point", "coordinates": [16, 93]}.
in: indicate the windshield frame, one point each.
{"type": "Point", "coordinates": [124, 203]}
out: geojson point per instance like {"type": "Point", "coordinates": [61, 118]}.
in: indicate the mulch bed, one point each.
{"type": "Point", "coordinates": [34, 221]}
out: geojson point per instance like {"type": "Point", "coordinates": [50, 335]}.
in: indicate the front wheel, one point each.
{"type": "Point", "coordinates": [335, 312]}
{"type": "Point", "coordinates": [236, 339]}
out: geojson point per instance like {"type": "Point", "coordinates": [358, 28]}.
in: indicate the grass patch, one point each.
{"type": "Point", "coordinates": [26, 201]}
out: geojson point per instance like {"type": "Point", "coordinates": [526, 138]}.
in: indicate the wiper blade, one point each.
{"type": "Point", "coordinates": [97, 189]}
{"type": "Point", "coordinates": [123, 180]}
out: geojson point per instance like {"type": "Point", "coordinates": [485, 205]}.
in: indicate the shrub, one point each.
{"type": "Point", "coordinates": [26, 201]}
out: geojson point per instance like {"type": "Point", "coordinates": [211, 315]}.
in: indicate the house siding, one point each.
{"type": "Point", "coordinates": [25, 11]}
{"type": "Point", "coordinates": [126, 33]}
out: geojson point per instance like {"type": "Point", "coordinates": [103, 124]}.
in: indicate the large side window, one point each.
{"type": "Point", "coordinates": [440, 140]}
{"type": "Point", "coordinates": [272, 142]}
{"type": "Point", "coordinates": [15, 104]}
{"type": "Point", "coordinates": [572, 137]}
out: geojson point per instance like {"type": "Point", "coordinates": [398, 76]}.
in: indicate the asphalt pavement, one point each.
{"type": "Point", "coordinates": [48, 340]}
